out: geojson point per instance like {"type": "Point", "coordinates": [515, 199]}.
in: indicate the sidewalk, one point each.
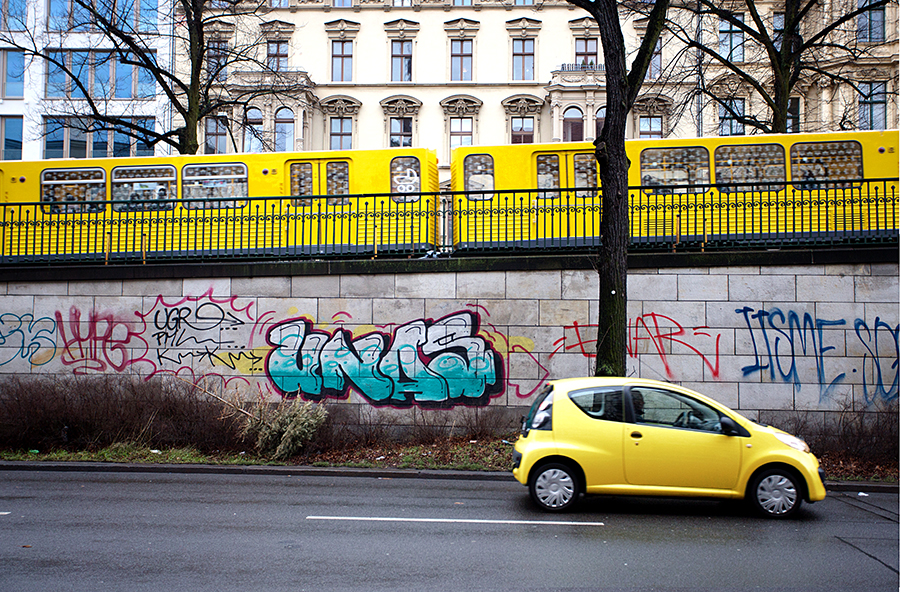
{"type": "Point", "coordinates": [101, 467]}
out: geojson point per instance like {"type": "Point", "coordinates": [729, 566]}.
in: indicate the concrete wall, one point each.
{"type": "Point", "coordinates": [756, 337]}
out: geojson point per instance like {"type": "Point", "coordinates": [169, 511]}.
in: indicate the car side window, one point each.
{"type": "Point", "coordinates": [600, 403]}
{"type": "Point", "coordinates": [671, 409]}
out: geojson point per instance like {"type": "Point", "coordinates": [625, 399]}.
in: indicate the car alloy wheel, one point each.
{"type": "Point", "coordinates": [553, 487]}
{"type": "Point", "coordinates": [775, 494]}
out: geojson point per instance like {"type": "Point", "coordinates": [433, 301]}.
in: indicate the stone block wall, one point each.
{"type": "Point", "coordinates": [756, 337]}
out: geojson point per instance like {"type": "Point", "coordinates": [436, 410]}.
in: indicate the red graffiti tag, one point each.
{"type": "Point", "coordinates": [100, 342]}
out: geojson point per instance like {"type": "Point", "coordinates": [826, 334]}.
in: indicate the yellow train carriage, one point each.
{"type": "Point", "coordinates": [683, 190]}
{"type": "Point", "coordinates": [525, 195]}
{"type": "Point", "coordinates": [225, 205]}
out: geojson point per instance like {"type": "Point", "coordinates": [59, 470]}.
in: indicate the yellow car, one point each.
{"type": "Point", "coordinates": [625, 436]}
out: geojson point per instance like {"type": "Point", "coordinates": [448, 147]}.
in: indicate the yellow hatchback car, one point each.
{"type": "Point", "coordinates": [625, 436]}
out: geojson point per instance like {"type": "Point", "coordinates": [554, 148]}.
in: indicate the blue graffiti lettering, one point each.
{"type": "Point", "coordinates": [24, 336]}
{"type": "Point", "coordinates": [428, 363]}
{"type": "Point", "coordinates": [870, 339]}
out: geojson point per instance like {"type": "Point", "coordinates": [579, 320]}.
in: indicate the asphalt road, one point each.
{"type": "Point", "coordinates": [128, 531]}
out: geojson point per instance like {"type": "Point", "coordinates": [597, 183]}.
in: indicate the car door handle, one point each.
{"type": "Point", "coordinates": [636, 435]}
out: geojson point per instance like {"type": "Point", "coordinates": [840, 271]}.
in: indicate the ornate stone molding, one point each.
{"type": "Point", "coordinates": [342, 29]}
{"type": "Point", "coordinates": [401, 29]}
{"type": "Point", "coordinates": [340, 106]}
{"type": "Point", "coordinates": [276, 29]}
{"type": "Point", "coordinates": [461, 105]}
{"type": "Point", "coordinates": [522, 105]}
{"type": "Point", "coordinates": [653, 105]}
{"type": "Point", "coordinates": [584, 27]}
{"type": "Point", "coordinates": [401, 106]}
{"type": "Point", "coordinates": [462, 28]}
{"type": "Point", "coordinates": [523, 27]}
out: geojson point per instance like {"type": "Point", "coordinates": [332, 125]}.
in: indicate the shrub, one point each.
{"type": "Point", "coordinates": [281, 431]}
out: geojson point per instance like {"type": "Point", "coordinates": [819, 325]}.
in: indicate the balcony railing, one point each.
{"type": "Point", "coordinates": [581, 68]}
{"type": "Point", "coordinates": [688, 218]}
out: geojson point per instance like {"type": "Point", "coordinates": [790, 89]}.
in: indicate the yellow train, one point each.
{"type": "Point", "coordinates": [236, 205]}
{"type": "Point", "coordinates": [738, 190]}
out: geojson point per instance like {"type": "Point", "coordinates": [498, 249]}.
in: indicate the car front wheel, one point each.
{"type": "Point", "coordinates": [554, 487]}
{"type": "Point", "coordinates": [775, 493]}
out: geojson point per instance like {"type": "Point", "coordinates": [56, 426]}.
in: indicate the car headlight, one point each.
{"type": "Point", "coordinates": [792, 441]}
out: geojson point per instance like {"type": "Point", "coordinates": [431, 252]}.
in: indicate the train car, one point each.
{"type": "Point", "coordinates": [730, 190]}
{"type": "Point", "coordinates": [229, 205]}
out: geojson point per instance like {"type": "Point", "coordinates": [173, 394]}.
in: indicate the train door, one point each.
{"type": "Point", "coordinates": [322, 219]}
{"type": "Point", "coordinates": [567, 206]}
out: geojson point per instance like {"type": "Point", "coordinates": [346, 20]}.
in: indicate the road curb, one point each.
{"type": "Point", "coordinates": [305, 471]}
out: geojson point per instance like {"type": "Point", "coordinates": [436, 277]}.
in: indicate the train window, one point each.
{"type": "Point", "coordinates": [214, 185]}
{"type": "Point", "coordinates": [585, 173]}
{"type": "Point", "coordinates": [301, 183]}
{"type": "Point", "coordinates": [548, 173]}
{"type": "Point", "coordinates": [478, 173]}
{"type": "Point", "coordinates": [405, 179]}
{"type": "Point", "coordinates": [145, 187]}
{"type": "Point", "coordinates": [337, 175]}
{"type": "Point", "coordinates": [304, 187]}
{"type": "Point", "coordinates": [73, 191]}
{"type": "Point", "coordinates": [750, 162]}
{"type": "Point", "coordinates": [826, 161]}
{"type": "Point", "coordinates": [664, 167]}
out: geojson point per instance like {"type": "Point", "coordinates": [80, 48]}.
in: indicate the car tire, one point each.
{"type": "Point", "coordinates": [554, 487]}
{"type": "Point", "coordinates": [775, 493]}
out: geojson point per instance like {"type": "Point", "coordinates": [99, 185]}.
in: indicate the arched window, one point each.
{"type": "Point", "coordinates": [573, 125]}
{"type": "Point", "coordinates": [601, 117]}
{"type": "Point", "coordinates": [253, 130]}
{"type": "Point", "coordinates": [284, 130]}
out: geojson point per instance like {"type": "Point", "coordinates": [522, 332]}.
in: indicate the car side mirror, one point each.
{"type": "Point", "coordinates": [729, 426]}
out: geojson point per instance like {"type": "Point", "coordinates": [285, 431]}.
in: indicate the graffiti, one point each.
{"type": "Point", "coordinates": [428, 363]}
{"type": "Point", "coordinates": [204, 331]}
{"type": "Point", "coordinates": [27, 338]}
{"type": "Point", "coordinates": [660, 331]}
{"type": "Point", "coordinates": [872, 339]}
{"type": "Point", "coordinates": [101, 342]}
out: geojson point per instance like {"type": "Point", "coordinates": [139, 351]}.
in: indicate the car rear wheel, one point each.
{"type": "Point", "coordinates": [554, 487]}
{"type": "Point", "coordinates": [775, 493]}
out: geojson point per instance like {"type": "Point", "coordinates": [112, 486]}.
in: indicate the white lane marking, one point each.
{"type": "Point", "coordinates": [454, 520]}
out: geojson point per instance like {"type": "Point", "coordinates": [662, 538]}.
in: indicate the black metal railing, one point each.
{"type": "Point", "coordinates": [663, 218]}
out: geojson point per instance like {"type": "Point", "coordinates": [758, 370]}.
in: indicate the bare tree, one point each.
{"type": "Point", "coordinates": [623, 86]}
{"type": "Point", "coordinates": [109, 61]}
{"type": "Point", "coordinates": [771, 50]}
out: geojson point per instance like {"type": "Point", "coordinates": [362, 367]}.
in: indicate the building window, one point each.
{"type": "Point", "coordinates": [253, 130]}
{"type": "Point", "coordinates": [462, 2]}
{"type": "Point", "coordinates": [216, 135]}
{"type": "Point", "coordinates": [873, 105]}
{"type": "Point", "coordinates": [342, 4]}
{"type": "Point", "coordinates": [402, 3]}
{"type": "Point", "coordinates": [401, 132]}
{"type": "Point", "coordinates": [461, 59]}
{"type": "Point", "coordinates": [523, 59]}
{"type": "Point", "coordinates": [793, 115]}
{"type": "Point", "coordinates": [277, 55]}
{"type": "Point", "coordinates": [13, 15]}
{"type": "Point", "coordinates": [730, 113]}
{"type": "Point", "coordinates": [401, 61]}
{"type": "Point", "coordinates": [524, 2]}
{"type": "Point", "coordinates": [102, 74]}
{"type": "Point", "coordinates": [73, 15]}
{"type": "Point", "coordinates": [341, 133]}
{"type": "Point", "coordinates": [278, 3]}
{"type": "Point", "coordinates": [654, 71]}
{"type": "Point", "coordinates": [11, 133]}
{"type": "Point", "coordinates": [284, 130]}
{"type": "Point", "coordinates": [650, 127]}
{"type": "Point", "coordinates": [13, 74]}
{"type": "Point", "coordinates": [216, 59]}
{"type": "Point", "coordinates": [73, 138]}
{"type": "Point", "coordinates": [573, 125]}
{"type": "Point", "coordinates": [870, 24]}
{"type": "Point", "coordinates": [522, 130]}
{"type": "Point", "coordinates": [341, 61]}
{"type": "Point", "coordinates": [586, 52]}
{"type": "Point", "coordinates": [777, 29]}
{"type": "Point", "coordinates": [460, 132]}
{"type": "Point", "coordinates": [599, 119]}
{"type": "Point", "coordinates": [731, 39]}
